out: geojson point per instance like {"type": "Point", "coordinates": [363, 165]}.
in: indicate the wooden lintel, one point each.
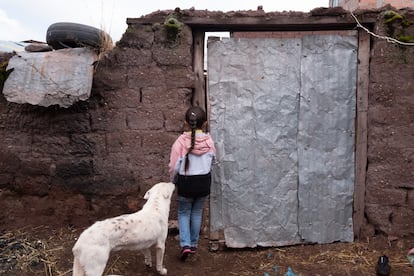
{"type": "Point", "coordinates": [264, 23]}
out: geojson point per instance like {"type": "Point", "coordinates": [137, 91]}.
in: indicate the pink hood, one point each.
{"type": "Point", "coordinates": [203, 144]}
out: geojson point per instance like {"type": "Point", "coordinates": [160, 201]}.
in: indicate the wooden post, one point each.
{"type": "Point", "coordinates": [199, 95]}
{"type": "Point", "coordinates": [361, 131]}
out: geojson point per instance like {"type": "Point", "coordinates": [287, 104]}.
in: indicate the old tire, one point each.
{"type": "Point", "coordinates": [72, 35]}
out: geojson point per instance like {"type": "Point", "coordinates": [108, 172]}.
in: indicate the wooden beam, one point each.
{"type": "Point", "coordinates": [199, 95]}
{"type": "Point", "coordinates": [265, 22]}
{"type": "Point", "coordinates": [361, 139]}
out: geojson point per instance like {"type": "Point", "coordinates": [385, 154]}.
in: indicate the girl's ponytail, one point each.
{"type": "Point", "coordinates": [195, 117]}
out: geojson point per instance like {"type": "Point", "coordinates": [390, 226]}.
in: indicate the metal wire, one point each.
{"type": "Point", "coordinates": [387, 38]}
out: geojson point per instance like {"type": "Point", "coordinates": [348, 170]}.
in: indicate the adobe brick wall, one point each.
{"type": "Point", "coordinates": [390, 172]}
{"type": "Point", "coordinates": [96, 159]}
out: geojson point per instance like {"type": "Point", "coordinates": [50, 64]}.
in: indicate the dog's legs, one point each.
{"type": "Point", "coordinates": [147, 257]}
{"type": "Point", "coordinates": [94, 261]}
{"type": "Point", "coordinates": [77, 269]}
{"type": "Point", "coordinates": [160, 250]}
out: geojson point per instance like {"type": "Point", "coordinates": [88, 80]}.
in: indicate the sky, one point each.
{"type": "Point", "coordinates": [29, 19]}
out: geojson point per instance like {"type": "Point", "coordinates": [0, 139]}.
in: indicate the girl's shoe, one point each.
{"type": "Point", "coordinates": [193, 249]}
{"type": "Point", "coordinates": [185, 251]}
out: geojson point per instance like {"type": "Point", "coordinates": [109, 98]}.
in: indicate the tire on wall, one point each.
{"type": "Point", "coordinates": [72, 35]}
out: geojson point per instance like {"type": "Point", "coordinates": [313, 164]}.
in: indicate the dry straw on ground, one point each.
{"type": "Point", "coordinates": [45, 251]}
{"type": "Point", "coordinates": [22, 252]}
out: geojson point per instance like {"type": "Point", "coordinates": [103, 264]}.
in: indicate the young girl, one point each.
{"type": "Point", "coordinates": [190, 164]}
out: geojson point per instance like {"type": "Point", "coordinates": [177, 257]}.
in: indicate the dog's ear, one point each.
{"type": "Point", "coordinates": [147, 194]}
{"type": "Point", "coordinates": [150, 191]}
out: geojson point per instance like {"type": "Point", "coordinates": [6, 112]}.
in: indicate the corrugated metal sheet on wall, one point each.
{"type": "Point", "coordinates": [282, 116]}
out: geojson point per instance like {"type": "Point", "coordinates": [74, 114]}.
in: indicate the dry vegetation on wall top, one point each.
{"type": "Point", "coordinates": [398, 27]}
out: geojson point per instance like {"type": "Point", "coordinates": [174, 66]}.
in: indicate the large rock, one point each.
{"type": "Point", "coordinates": [50, 78]}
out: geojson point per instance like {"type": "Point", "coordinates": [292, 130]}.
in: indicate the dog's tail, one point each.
{"type": "Point", "coordinates": [77, 268]}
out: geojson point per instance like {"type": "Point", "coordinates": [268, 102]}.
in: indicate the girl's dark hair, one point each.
{"type": "Point", "coordinates": [195, 117]}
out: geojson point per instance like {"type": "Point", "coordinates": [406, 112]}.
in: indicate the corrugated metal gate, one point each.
{"type": "Point", "coordinates": [282, 116]}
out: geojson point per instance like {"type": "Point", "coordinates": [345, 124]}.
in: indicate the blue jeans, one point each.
{"type": "Point", "coordinates": [190, 215]}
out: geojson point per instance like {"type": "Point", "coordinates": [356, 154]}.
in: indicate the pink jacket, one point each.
{"type": "Point", "coordinates": [201, 156]}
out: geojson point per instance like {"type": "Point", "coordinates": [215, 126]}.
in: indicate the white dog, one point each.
{"type": "Point", "coordinates": [138, 231]}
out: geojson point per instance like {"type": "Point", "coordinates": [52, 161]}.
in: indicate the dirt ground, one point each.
{"type": "Point", "coordinates": [45, 251]}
